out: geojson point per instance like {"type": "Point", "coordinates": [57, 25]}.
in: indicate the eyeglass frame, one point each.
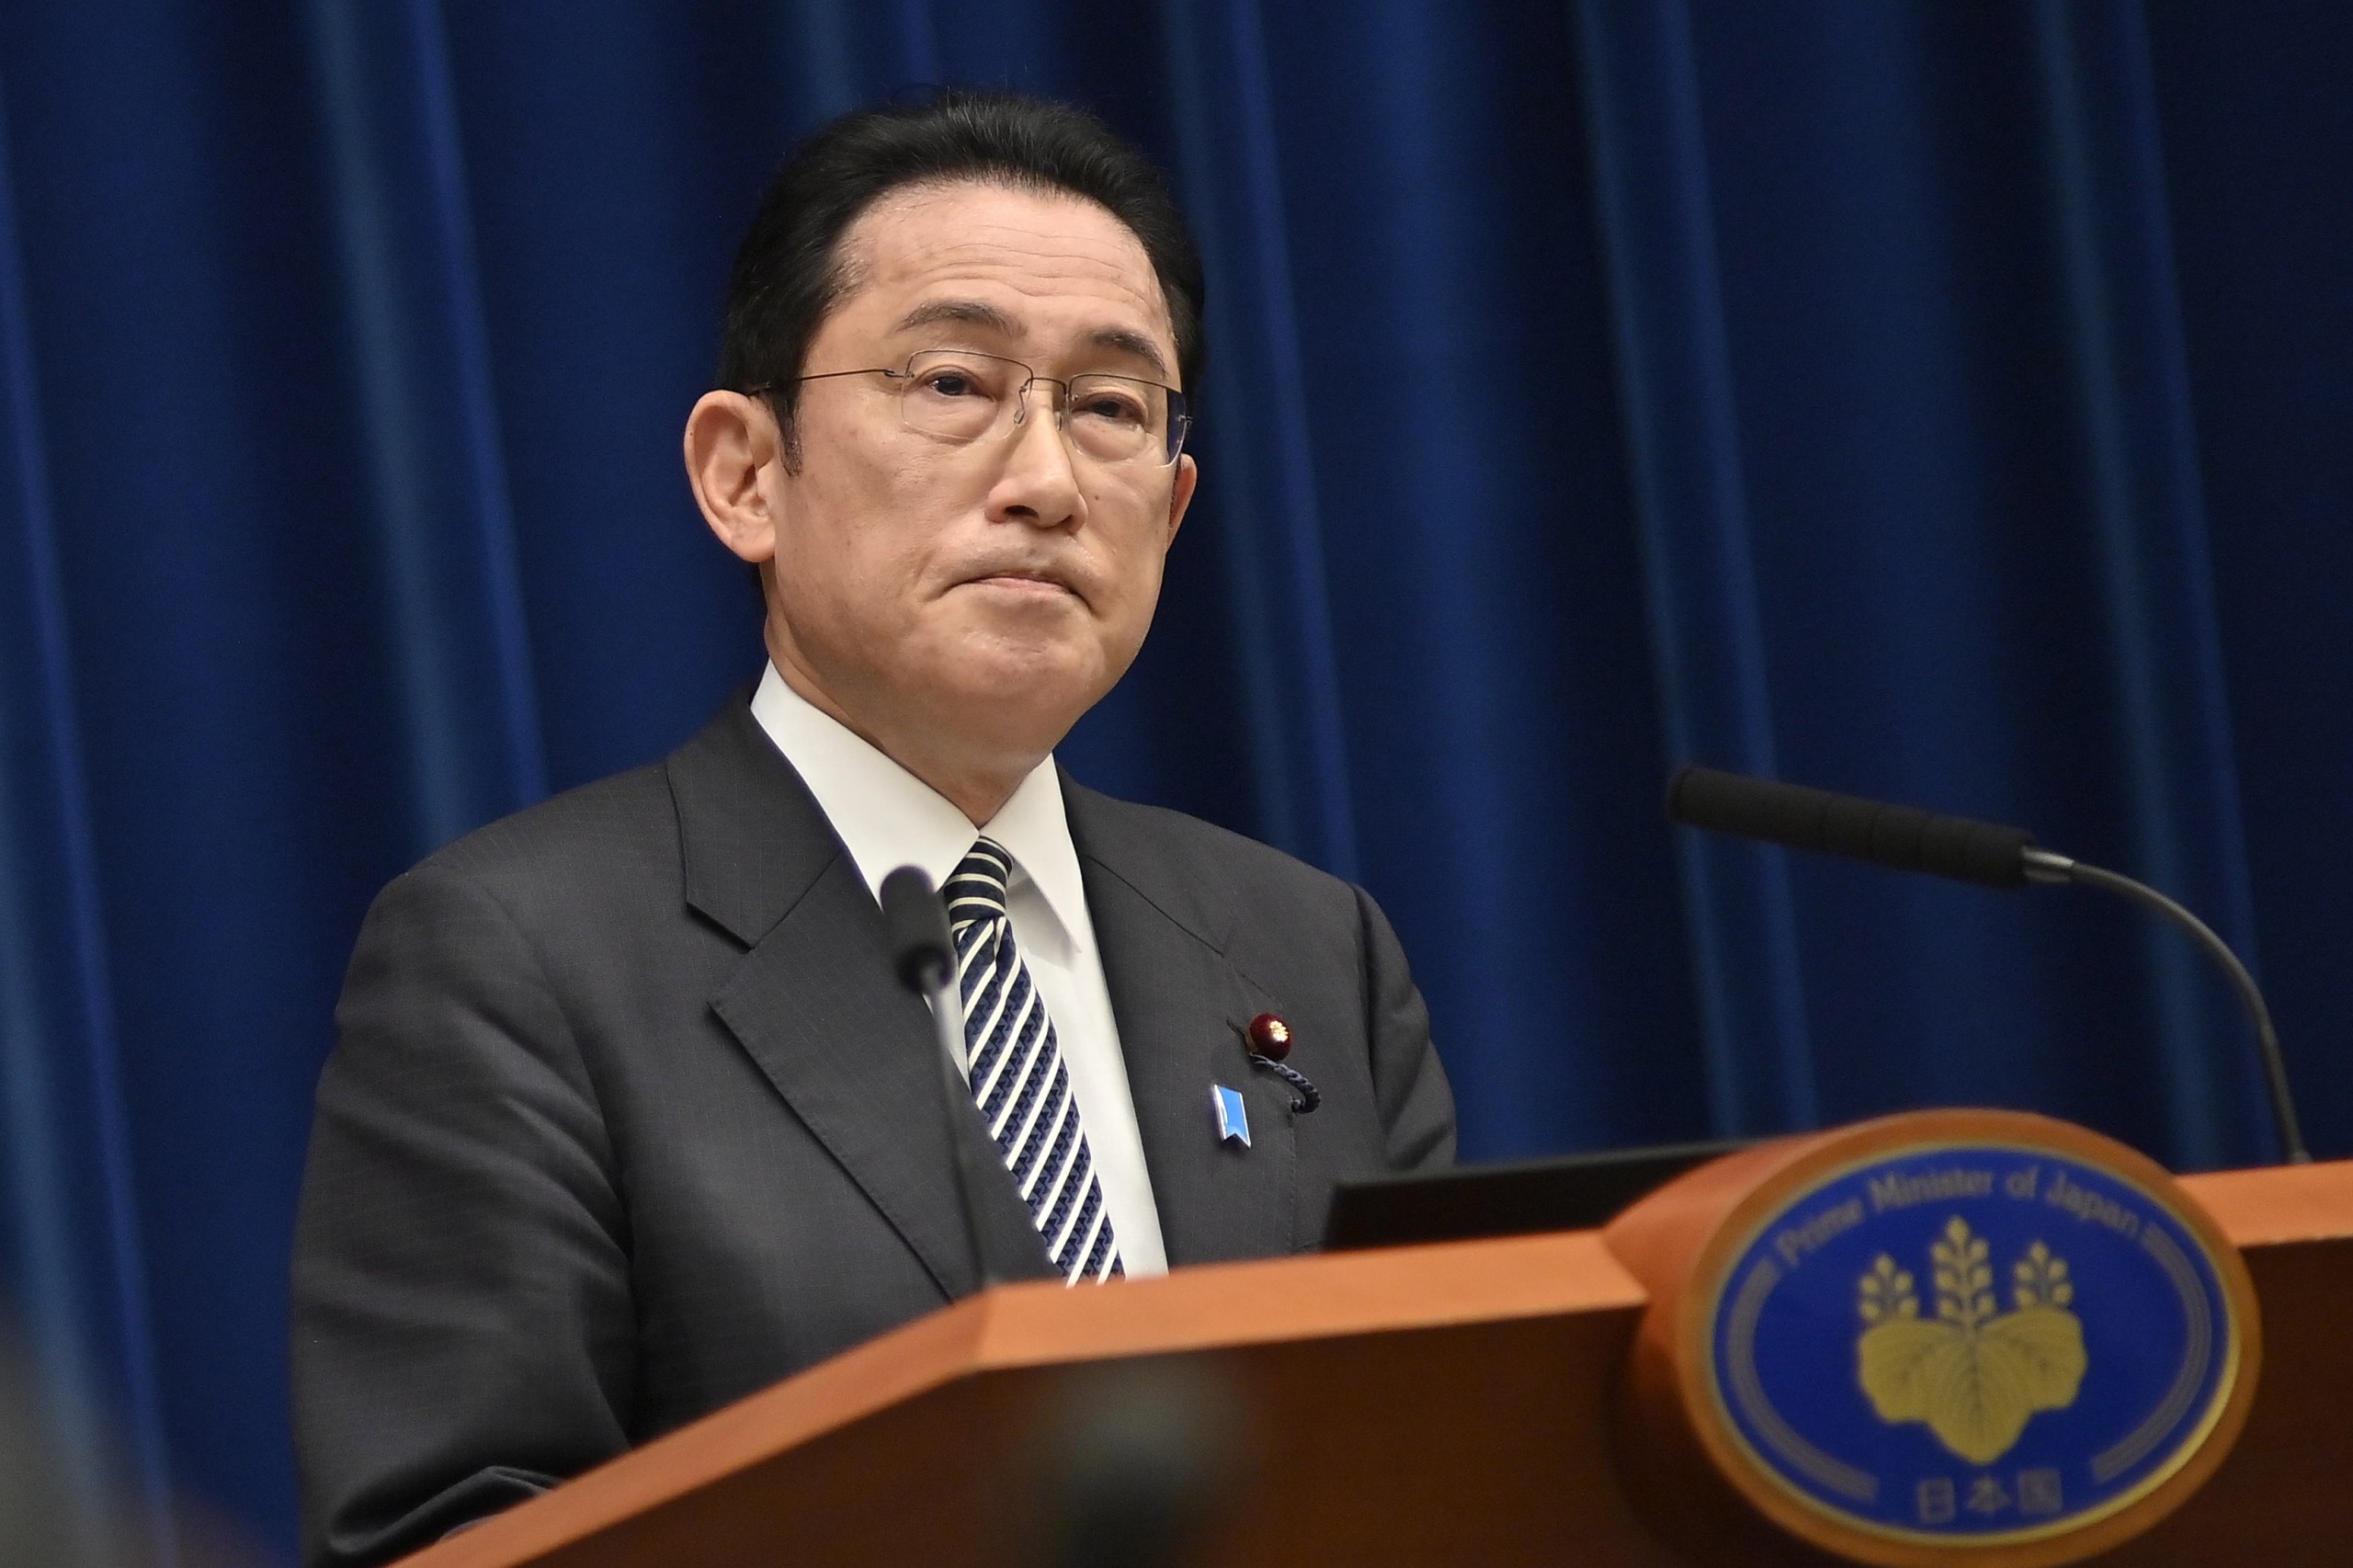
{"type": "Point", "coordinates": [1181, 423]}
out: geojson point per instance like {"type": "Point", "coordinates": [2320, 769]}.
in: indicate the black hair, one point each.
{"type": "Point", "coordinates": [790, 271]}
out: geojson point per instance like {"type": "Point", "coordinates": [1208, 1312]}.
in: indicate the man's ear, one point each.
{"type": "Point", "coordinates": [1180, 493]}
{"type": "Point", "coordinates": [732, 449]}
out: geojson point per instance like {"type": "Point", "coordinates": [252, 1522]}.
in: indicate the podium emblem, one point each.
{"type": "Point", "coordinates": [1971, 1344]}
{"type": "Point", "coordinates": [1972, 1374]}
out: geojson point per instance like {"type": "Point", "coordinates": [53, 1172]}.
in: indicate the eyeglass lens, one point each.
{"type": "Point", "coordinates": [962, 396]}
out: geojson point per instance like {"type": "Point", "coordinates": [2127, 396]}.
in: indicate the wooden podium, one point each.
{"type": "Point", "coordinates": [1446, 1404]}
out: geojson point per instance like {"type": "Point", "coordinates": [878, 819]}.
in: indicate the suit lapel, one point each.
{"type": "Point", "coordinates": [1181, 1010]}
{"type": "Point", "coordinates": [815, 1004]}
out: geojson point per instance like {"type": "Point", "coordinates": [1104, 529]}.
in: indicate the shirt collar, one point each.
{"type": "Point", "coordinates": [886, 817]}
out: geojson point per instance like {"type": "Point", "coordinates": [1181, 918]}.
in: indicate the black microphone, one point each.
{"type": "Point", "coordinates": [1909, 839]}
{"type": "Point", "coordinates": [1902, 836]}
{"type": "Point", "coordinates": [922, 953]}
{"type": "Point", "coordinates": [924, 957]}
{"type": "Point", "coordinates": [1140, 1463]}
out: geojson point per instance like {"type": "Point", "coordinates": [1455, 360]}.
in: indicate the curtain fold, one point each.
{"type": "Point", "coordinates": [1223, 104]}
{"type": "Point", "coordinates": [2126, 352]}
{"type": "Point", "coordinates": [426, 410]}
{"type": "Point", "coordinates": [1941, 402]}
{"type": "Point", "coordinates": [76, 1284]}
{"type": "Point", "coordinates": [1706, 635]}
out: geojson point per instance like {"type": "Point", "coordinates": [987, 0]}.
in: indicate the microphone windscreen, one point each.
{"type": "Point", "coordinates": [921, 954]}
{"type": "Point", "coordinates": [1904, 837]}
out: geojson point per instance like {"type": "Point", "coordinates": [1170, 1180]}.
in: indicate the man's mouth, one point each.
{"type": "Point", "coordinates": [1024, 581]}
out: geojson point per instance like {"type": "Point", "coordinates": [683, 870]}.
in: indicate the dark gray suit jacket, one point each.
{"type": "Point", "coordinates": [629, 1119]}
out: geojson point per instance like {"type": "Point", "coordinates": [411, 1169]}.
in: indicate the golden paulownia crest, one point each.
{"type": "Point", "coordinates": [1974, 1375]}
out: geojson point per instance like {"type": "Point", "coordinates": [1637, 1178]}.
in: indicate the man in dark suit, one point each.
{"type": "Point", "coordinates": [629, 1117]}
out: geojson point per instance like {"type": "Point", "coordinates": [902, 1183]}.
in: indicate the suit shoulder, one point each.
{"type": "Point", "coordinates": [1186, 848]}
{"type": "Point", "coordinates": [621, 826]}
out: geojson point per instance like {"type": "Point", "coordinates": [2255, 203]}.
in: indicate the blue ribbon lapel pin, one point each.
{"type": "Point", "coordinates": [1233, 1117]}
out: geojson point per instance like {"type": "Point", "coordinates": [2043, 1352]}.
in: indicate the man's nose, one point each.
{"type": "Point", "coordinates": [1040, 483]}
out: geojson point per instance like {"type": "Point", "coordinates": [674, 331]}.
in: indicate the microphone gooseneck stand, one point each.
{"type": "Point", "coordinates": [1988, 854]}
{"type": "Point", "coordinates": [2042, 866]}
{"type": "Point", "coordinates": [924, 957]}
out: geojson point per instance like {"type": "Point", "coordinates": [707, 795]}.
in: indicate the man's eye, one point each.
{"type": "Point", "coordinates": [951, 383]}
{"type": "Point", "coordinates": [1105, 405]}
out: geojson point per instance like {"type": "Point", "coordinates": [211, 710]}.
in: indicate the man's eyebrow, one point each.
{"type": "Point", "coordinates": [981, 313]}
{"type": "Point", "coordinates": [1127, 341]}
{"type": "Point", "coordinates": [970, 313]}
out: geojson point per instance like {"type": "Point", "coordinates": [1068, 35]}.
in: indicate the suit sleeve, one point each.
{"type": "Point", "coordinates": [461, 1322]}
{"type": "Point", "coordinates": [1416, 1105]}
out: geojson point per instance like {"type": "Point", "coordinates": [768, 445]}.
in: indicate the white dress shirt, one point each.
{"type": "Point", "coordinates": [887, 817]}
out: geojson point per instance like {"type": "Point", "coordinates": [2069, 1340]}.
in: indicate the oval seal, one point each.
{"type": "Point", "coordinates": [1920, 1348]}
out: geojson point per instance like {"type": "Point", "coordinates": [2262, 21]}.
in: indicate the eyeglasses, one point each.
{"type": "Point", "coordinates": [961, 396]}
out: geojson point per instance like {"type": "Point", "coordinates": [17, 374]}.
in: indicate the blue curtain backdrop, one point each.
{"type": "Point", "coordinates": [1941, 402]}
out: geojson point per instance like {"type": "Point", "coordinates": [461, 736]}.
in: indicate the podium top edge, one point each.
{"type": "Point", "coordinates": [2278, 1205]}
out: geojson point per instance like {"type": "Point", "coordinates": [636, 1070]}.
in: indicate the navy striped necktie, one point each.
{"type": "Point", "coordinates": [1018, 1079]}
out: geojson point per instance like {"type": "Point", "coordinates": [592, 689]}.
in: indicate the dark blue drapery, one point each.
{"type": "Point", "coordinates": [1943, 402]}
